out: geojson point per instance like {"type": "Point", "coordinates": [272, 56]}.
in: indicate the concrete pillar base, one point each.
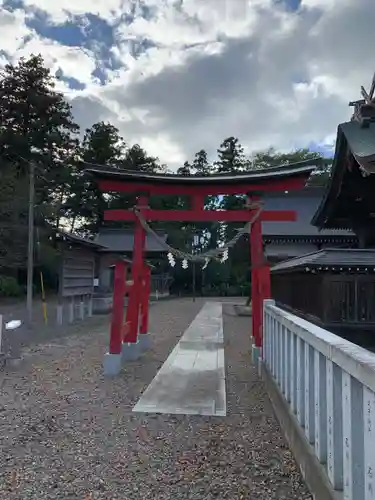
{"type": "Point", "coordinates": [144, 340]}
{"type": "Point", "coordinates": [130, 351]}
{"type": "Point", "coordinates": [112, 364]}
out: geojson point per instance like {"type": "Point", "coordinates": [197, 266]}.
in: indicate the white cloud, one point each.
{"type": "Point", "coordinates": [217, 68]}
{"type": "Point", "coordinates": [62, 10]}
{"type": "Point", "coordinates": [75, 62]}
{"type": "Point", "coordinates": [12, 29]}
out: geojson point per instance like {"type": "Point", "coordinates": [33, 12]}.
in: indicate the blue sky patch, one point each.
{"type": "Point", "coordinates": [291, 5]}
{"type": "Point", "coordinates": [92, 33]}
{"type": "Point", "coordinates": [73, 83]}
{"type": "Point", "coordinates": [87, 31]}
{"type": "Point", "coordinates": [12, 5]}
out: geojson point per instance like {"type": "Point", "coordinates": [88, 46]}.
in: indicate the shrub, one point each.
{"type": "Point", "coordinates": [9, 287]}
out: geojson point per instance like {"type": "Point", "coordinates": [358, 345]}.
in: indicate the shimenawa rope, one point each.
{"type": "Point", "coordinates": [210, 254]}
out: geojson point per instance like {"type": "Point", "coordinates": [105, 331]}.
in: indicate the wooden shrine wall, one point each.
{"type": "Point", "coordinates": [345, 300]}
{"type": "Point", "coordinates": [77, 273]}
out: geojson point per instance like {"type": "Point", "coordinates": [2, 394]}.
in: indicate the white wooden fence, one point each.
{"type": "Point", "coordinates": [329, 384]}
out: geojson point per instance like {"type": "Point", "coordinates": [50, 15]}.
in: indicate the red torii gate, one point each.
{"type": "Point", "coordinates": [285, 178]}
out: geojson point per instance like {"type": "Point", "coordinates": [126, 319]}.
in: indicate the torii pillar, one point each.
{"type": "Point", "coordinates": [253, 184]}
{"type": "Point", "coordinates": [260, 286]}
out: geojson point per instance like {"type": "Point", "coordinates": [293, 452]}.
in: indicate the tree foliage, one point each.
{"type": "Point", "coordinates": [231, 157]}
{"type": "Point", "coordinates": [37, 125]}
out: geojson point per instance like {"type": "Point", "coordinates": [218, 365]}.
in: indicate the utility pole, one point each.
{"type": "Point", "coordinates": [30, 249]}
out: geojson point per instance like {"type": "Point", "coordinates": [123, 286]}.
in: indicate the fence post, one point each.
{"type": "Point", "coordinates": [71, 309]}
{"type": "Point", "coordinates": [1, 333]}
{"type": "Point", "coordinates": [89, 312]}
{"type": "Point", "coordinates": [334, 425]}
{"type": "Point", "coordinates": [82, 308]}
{"type": "Point", "coordinates": [369, 415]}
{"type": "Point", "coordinates": [267, 331]}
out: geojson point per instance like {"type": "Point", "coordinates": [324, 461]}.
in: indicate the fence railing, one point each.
{"type": "Point", "coordinates": [329, 385]}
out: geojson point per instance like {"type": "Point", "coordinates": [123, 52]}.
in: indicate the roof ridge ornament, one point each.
{"type": "Point", "coordinates": [364, 109]}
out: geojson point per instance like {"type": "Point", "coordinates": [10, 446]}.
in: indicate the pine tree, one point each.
{"type": "Point", "coordinates": [185, 169]}
{"type": "Point", "coordinates": [101, 145]}
{"type": "Point", "coordinates": [36, 122]}
{"type": "Point", "coordinates": [200, 164]}
{"type": "Point", "coordinates": [231, 157]}
{"type": "Point", "coordinates": [136, 158]}
{"type": "Point", "coordinates": [13, 219]}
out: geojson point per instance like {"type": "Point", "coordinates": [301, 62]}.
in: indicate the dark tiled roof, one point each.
{"type": "Point", "coordinates": [361, 140]}
{"type": "Point", "coordinates": [305, 202]}
{"type": "Point", "coordinates": [330, 257]}
{"type": "Point", "coordinates": [289, 250]}
{"type": "Point", "coordinates": [77, 240]}
{"type": "Point", "coordinates": [272, 173]}
{"type": "Point", "coordinates": [120, 240]}
{"type": "Point", "coordinates": [339, 203]}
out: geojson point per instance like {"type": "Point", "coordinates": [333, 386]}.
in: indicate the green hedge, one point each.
{"type": "Point", "coordinates": [9, 287]}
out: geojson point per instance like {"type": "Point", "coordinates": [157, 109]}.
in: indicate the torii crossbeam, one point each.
{"type": "Point", "coordinates": [252, 184]}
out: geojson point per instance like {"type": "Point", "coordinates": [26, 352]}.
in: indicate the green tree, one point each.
{"type": "Point", "coordinates": [201, 165]}
{"type": "Point", "coordinates": [136, 158]}
{"type": "Point", "coordinates": [101, 145]}
{"type": "Point", "coordinates": [13, 219]}
{"type": "Point", "coordinates": [36, 125]}
{"type": "Point", "coordinates": [231, 157]}
{"type": "Point", "coordinates": [321, 175]}
{"type": "Point", "coordinates": [185, 169]}
{"type": "Point", "coordinates": [272, 158]}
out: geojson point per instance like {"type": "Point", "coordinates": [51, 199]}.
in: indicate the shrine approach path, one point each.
{"type": "Point", "coordinates": [67, 432]}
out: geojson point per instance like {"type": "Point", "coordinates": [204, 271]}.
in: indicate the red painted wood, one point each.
{"type": "Point", "coordinates": [138, 292]}
{"type": "Point", "coordinates": [115, 342]}
{"type": "Point", "coordinates": [137, 268]}
{"type": "Point", "coordinates": [197, 202]}
{"type": "Point", "coordinates": [125, 330]}
{"type": "Point", "coordinates": [145, 300]}
{"type": "Point", "coordinates": [256, 249]}
{"type": "Point", "coordinates": [289, 184]}
{"type": "Point", "coordinates": [266, 281]}
{"type": "Point", "coordinates": [200, 215]}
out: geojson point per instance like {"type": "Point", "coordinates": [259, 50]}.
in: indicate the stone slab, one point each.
{"type": "Point", "coordinates": [192, 379]}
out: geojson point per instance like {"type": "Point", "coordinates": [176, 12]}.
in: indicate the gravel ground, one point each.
{"type": "Point", "coordinates": [24, 336]}
{"type": "Point", "coordinates": [66, 432]}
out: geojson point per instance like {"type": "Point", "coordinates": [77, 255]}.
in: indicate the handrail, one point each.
{"type": "Point", "coordinates": [329, 384]}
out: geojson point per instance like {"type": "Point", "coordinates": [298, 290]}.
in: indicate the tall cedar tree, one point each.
{"type": "Point", "coordinates": [36, 124]}
{"type": "Point", "coordinates": [13, 219]}
{"type": "Point", "coordinates": [201, 164]}
{"type": "Point", "coordinates": [102, 145]}
{"type": "Point", "coordinates": [231, 157]}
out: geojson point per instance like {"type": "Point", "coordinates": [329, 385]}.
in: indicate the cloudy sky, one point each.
{"type": "Point", "coordinates": [180, 75]}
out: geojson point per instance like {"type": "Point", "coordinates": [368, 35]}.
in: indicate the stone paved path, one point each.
{"type": "Point", "coordinates": [66, 432]}
{"type": "Point", "coordinates": [192, 379]}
